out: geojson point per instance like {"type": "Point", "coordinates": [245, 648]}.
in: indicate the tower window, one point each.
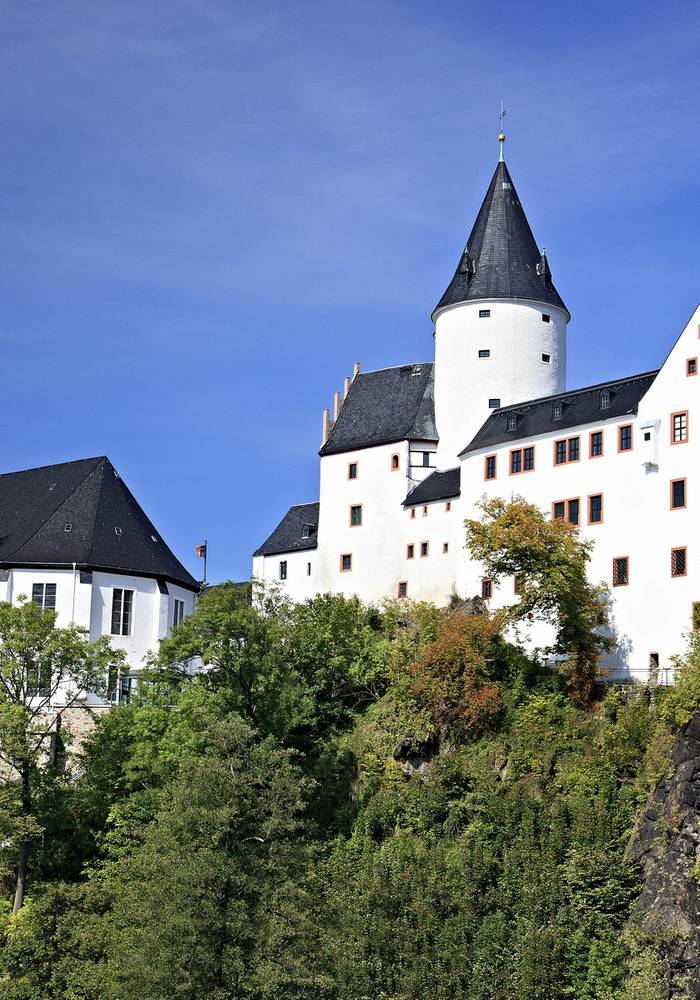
{"type": "Point", "coordinates": [546, 358]}
{"type": "Point", "coordinates": [679, 562]}
{"type": "Point", "coordinates": [621, 571]}
{"type": "Point", "coordinates": [678, 498]}
{"type": "Point", "coordinates": [413, 512]}
{"type": "Point", "coordinates": [445, 548]}
{"type": "Point", "coordinates": [403, 589]}
{"type": "Point", "coordinates": [410, 551]}
{"type": "Point", "coordinates": [308, 569]}
{"type": "Point", "coordinates": [557, 408]}
{"type": "Point", "coordinates": [346, 562]}
{"type": "Point", "coordinates": [605, 399]}
{"type": "Point", "coordinates": [426, 459]}
{"type": "Point", "coordinates": [178, 612]}
{"type": "Point", "coordinates": [356, 515]}
{"type": "Point", "coordinates": [494, 404]}
{"type": "Point", "coordinates": [423, 549]}
{"type": "Point", "coordinates": [395, 462]}
{"type": "Point", "coordinates": [352, 470]}
{"type": "Point", "coordinates": [484, 313]}
{"type": "Point", "coordinates": [546, 317]}
{"type": "Point", "coordinates": [486, 589]}
{"type": "Point", "coordinates": [485, 353]}
{"type": "Point", "coordinates": [512, 421]}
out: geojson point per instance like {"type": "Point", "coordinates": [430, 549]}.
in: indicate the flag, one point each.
{"type": "Point", "coordinates": [201, 551]}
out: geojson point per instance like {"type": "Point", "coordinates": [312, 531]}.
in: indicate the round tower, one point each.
{"type": "Point", "coordinates": [500, 327]}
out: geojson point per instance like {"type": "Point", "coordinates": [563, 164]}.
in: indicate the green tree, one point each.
{"type": "Point", "coordinates": [38, 662]}
{"type": "Point", "coordinates": [515, 538]}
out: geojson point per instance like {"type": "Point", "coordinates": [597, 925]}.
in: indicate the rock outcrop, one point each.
{"type": "Point", "coordinates": [666, 844]}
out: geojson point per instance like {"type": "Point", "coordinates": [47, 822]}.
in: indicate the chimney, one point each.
{"type": "Point", "coordinates": [346, 386]}
{"type": "Point", "coordinates": [337, 403]}
{"type": "Point", "coordinates": [355, 370]}
{"type": "Point", "coordinates": [325, 433]}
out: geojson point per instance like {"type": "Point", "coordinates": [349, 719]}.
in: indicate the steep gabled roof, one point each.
{"type": "Point", "coordinates": [391, 404]}
{"type": "Point", "coordinates": [297, 531]}
{"type": "Point", "coordinates": [437, 486]}
{"type": "Point", "coordinates": [58, 515]}
{"type": "Point", "coordinates": [578, 407]}
{"type": "Point", "coordinates": [501, 259]}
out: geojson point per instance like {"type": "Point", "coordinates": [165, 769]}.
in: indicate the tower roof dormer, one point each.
{"type": "Point", "coordinates": [501, 259]}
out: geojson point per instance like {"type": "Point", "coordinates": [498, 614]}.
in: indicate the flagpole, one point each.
{"type": "Point", "coordinates": [206, 550]}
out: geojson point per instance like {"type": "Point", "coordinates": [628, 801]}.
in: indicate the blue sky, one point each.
{"type": "Point", "coordinates": [211, 209]}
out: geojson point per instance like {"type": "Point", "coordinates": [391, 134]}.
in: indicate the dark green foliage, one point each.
{"type": "Point", "coordinates": [249, 834]}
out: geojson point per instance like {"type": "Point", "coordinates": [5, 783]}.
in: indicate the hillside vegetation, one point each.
{"type": "Point", "coordinates": [351, 804]}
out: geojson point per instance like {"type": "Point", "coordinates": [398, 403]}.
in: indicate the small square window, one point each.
{"type": "Point", "coordinates": [423, 549]}
{"type": "Point", "coordinates": [546, 358]}
{"type": "Point", "coordinates": [679, 562]}
{"type": "Point", "coordinates": [546, 317]}
{"type": "Point", "coordinates": [485, 354]}
{"type": "Point", "coordinates": [678, 498]}
{"type": "Point", "coordinates": [403, 589]}
{"type": "Point", "coordinates": [691, 366]}
{"type": "Point", "coordinates": [494, 404]}
{"type": "Point", "coordinates": [621, 576]}
{"type": "Point", "coordinates": [484, 313]}
{"type": "Point", "coordinates": [486, 589]}
{"type": "Point", "coordinates": [647, 435]}
{"type": "Point", "coordinates": [346, 563]}
{"type": "Point", "coordinates": [410, 551]}
{"type": "Point", "coordinates": [352, 470]}
{"type": "Point", "coordinates": [490, 467]}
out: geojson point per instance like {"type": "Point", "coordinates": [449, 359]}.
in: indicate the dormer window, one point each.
{"type": "Point", "coordinates": [512, 421]}
{"type": "Point", "coordinates": [68, 527]}
{"type": "Point", "coordinates": [117, 532]}
{"type": "Point", "coordinates": [306, 531]}
{"type": "Point", "coordinates": [557, 410]}
{"type": "Point", "coordinates": [605, 399]}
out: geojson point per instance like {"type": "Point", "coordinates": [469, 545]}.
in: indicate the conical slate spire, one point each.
{"type": "Point", "coordinates": [501, 259]}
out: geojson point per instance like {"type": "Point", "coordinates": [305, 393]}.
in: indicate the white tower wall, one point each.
{"type": "Point", "coordinates": [516, 337]}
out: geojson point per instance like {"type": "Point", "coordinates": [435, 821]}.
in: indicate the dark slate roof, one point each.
{"type": "Point", "coordinates": [37, 504]}
{"type": "Point", "coordinates": [392, 404]}
{"type": "Point", "coordinates": [288, 535]}
{"type": "Point", "coordinates": [579, 407]}
{"type": "Point", "coordinates": [501, 259]}
{"type": "Point", "coordinates": [436, 486]}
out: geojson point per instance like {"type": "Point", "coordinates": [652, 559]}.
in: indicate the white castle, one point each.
{"type": "Point", "coordinates": [410, 451]}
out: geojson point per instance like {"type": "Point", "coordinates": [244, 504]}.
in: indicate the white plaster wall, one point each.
{"type": "Point", "coordinates": [299, 585]}
{"type": "Point", "coordinates": [517, 337]}
{"type": "Point", "coordinates": [89, 604]}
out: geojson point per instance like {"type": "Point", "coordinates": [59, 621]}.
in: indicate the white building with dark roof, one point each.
{"type": "Point", "coordinates": [410, 451]}
{"type": "Point", "coordinates": [73, 538]}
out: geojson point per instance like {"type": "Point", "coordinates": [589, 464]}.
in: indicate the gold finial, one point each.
{"type": "Point", "coordinates": [501, 134]}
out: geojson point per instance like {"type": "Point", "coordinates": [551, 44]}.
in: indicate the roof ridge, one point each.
{"type": "Point", "coordinates": [91, 536]}
{"type": "Point", "coordinates": [576, 392]}
{"type": "Point", "coordinates": [55, 465]}
{"type": "Point", "coordinates": [389, 368]}
{"type": "Point", "coordinates": [54, 512]}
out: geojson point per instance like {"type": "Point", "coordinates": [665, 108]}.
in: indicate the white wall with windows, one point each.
{"type": "Point", "coordinates": [135, 612]}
